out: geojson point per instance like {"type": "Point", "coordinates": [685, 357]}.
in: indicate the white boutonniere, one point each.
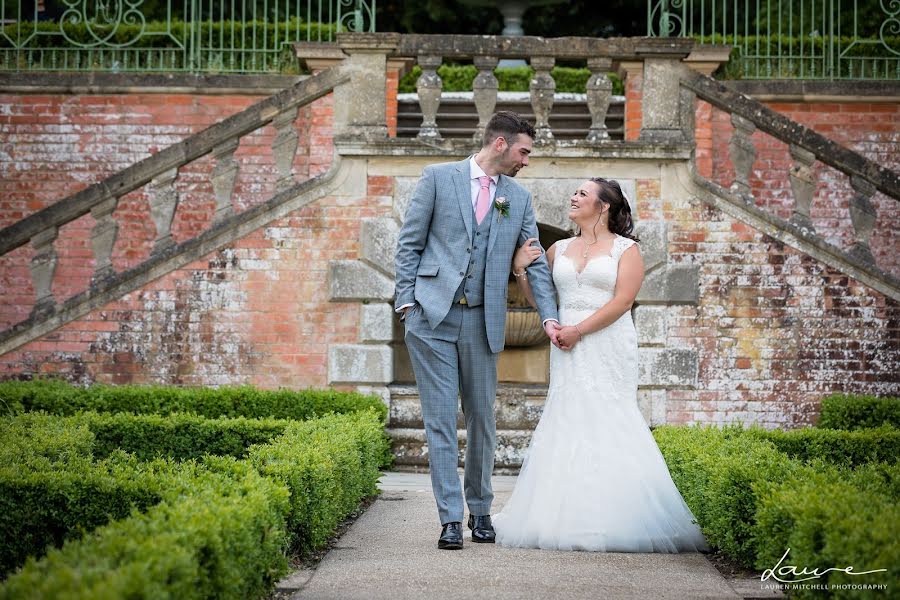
{"type": "Point", "coordinates": [502, 206]}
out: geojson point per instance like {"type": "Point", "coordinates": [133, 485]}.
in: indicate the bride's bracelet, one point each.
{"type": "Point", "coordinates": [580, 335]}
{"type": "Point", "coordinates": [524, 273]}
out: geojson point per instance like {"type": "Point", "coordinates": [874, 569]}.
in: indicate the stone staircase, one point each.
{"type": "Point", "coordinates": [518, 409]}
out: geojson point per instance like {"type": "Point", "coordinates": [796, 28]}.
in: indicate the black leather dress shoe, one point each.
{"type": "Point", "coordinates": [482, 530]}
{"type": "Point", "coordinates": [451, 537]}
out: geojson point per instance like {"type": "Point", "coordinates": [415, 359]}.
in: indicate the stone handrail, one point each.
{"type": "Point", "coordinates": [141, 173]}
{"type": "Point", "coordinates": [160, 171]}
{"type": "Point", "coordinates": [793, 133]}
{"type": "Point", "coordinates": [806, 147]}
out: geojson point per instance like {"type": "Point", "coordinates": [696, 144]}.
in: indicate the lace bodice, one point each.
{"type": "Point", "coordinates": [594, 285]}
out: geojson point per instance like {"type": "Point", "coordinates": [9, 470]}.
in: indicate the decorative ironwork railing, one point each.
{"type": "Point", "coordinates": [240, 36]}
{"type": "Point", "coordinates": [805, 39]}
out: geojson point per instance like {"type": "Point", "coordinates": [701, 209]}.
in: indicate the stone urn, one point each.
{"type": "Point", "coordinates": [523, 323]}
{"type": "Point", "coordinates": [523, 327]}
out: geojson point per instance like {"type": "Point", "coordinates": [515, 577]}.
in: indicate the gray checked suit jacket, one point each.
{"type": "Point", "coordinates": [432, 255]}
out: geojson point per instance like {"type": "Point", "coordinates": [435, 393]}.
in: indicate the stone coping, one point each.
{"type": "Point", "coordinates": [145, 83]}
{"type": "Point", "coordinates": [355, 146]}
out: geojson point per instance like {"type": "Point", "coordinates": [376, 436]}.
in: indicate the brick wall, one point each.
{"type": "Point", "coordinates": [870, 128]}
{"type": "Point", "coordinates": [54, 146]}
{"type": "Point", "coordinates": [774, 329]}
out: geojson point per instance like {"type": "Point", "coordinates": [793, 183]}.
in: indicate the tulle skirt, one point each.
{"type": "Point", "coordinates": [593, 477]}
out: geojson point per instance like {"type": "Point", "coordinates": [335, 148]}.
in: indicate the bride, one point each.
{"type": "Point", "coordinates": [593, 477]}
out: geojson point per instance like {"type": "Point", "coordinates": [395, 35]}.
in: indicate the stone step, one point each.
{"type": "Point", "coordinates": [411, 449]}
{"type": "Point", "coordinates": [457, 117]}
{"type": "Point", "coordinates": [518, 407]}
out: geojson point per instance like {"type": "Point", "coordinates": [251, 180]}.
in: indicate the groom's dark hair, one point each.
{"type": "Point", "coordinates": [508, 125]}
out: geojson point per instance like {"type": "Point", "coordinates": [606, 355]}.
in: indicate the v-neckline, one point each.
{"type": "Point", "coordinates": [588, 261]}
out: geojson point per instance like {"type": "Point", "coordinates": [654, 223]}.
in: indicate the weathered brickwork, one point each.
{"type": "Point", "coordinates": [55, 146]}
{"type": "Point", "coordinates": [872, 129]}
{"type": "Point", "coordinates": [774, 330]}
{"type": "Point", "coordinates": [256, 312]}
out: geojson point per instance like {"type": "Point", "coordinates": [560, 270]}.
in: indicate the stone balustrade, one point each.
{"type": "Point", "coordinates": [806, 148]}
{"type": "Point", "coordinates": [159, 174]}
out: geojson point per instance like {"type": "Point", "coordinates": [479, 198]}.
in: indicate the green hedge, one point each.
{"type": "Point", "coordinates": [41, 508]}
{"type": "Point", "coordinates": [459, 78]}
{"type": "Point", "coordinates": [178, 436]}
{"type": "Point", "coordinates": [48, 496]}
{"type": "Point", "coordinates": [249, 35]}
{"type": "Point", "coordinates": [223, 540]}
{"type": "Point", "coordinates": [721, 474]}
{"type": "Point", "coordinates": [827, 522]}
{"type": "Point", "coordinates": [60, 398]}
{"type": "Point", "coordinates": [38, 438]}
{"type": "Point", "coordinates": [329, 465]}
{"type": "Point", "coordinates": [848, 448]}
{"type": "Point", "coordinates": [853, 411]}
{"type": "Point", "coordinates": [753, 501]}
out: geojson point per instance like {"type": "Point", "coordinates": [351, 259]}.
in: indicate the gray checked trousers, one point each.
{"type": "Point", "coordinates": [450, 361]}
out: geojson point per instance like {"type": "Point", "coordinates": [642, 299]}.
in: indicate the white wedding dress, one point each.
{"type": "Point", "coordinates": [593, 477]}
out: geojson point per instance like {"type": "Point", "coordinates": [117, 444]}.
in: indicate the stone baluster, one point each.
{"type": "Point", "coordinates": [743, 155]}
{"type": "Point", "coordinates": [863, 215]}
{"type": "Point", "coordinates": [284, 147]}
{"type": "Point", "coordinates": [43, 267]}
{"type": "Point", "coordinates": [223, 176]}
{"type": "Point", "coordinates": [429, 87]}
{"type": "Point", "coordinates": [103, 238]}
{"type": "Point", "coordinates": [484, 91]}
{"type": "Point", "coordinates": [599, 93]}
{"type": "Point", "coordinates": [163, 202]}
{"type": "Point", "coordinates": [803, 185]}
{"type": "Point", "coordinates": [542, 88]}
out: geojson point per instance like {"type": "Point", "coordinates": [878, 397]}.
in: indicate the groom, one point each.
{"type": "Point", "coordinates": [454, 253]}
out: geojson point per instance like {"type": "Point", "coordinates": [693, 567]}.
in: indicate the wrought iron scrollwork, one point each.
{"type": "Point", "coordinates": [104, 21]}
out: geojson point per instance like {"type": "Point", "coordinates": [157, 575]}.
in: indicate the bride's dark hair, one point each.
{"type": "Point", "coordinates": [620, 221]}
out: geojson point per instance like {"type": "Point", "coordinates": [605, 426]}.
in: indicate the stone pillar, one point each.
{"type": "Point", "coordinates": [429, 87]}
{"type": "Point", "coordinates": [803, 185]}
{"type": "Point", "coordinates": [484, 92]}
{"type": "Point", "coordinates": [223, 177]}
{"type": "Point", "coordinates": [661, 89]}
{"type": "Point", "coordinates": [284, 147]}
{"type": "Point", "coordinates": [43, 267]}
{"type": "Point", "coordinates": [743, 155]}
{"type": "Point", "coordinates": [103, 238]}
{"type": "Point", "coordinates": [163, 202]}
{"type": "Point", "coordinates": [359, 106]}
{"type": "Point", "coordinates": [863, 216]}
{"type": "Point", "coordinates": [542, 89]}
{"type": "Point", "coordinates": [599, 92]}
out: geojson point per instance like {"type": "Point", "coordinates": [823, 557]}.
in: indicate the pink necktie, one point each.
{"type": "Point", "coordinates": [483, 203]}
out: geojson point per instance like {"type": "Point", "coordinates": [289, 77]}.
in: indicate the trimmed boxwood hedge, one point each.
{"type": "Point", "coordinates": [179, 436]}
{"type": "Point", "coordinates": [848, 448]}
{"type": "Point", "coordinates": [830, 522]}
{"type": "Point", "coordinates": [324, 467]}
{"type": "Point", "coordinates": [223, 540]}
{"type": "Point", "coordinates": [40, 506]}
{"type": "Point", "coordinates": [61, 398]}
{"type": "Point", "coordinates": [754, 501]}
{"type": "Point", "coordinates": [854, 411]}
{"type": "Point", "coordinates": [329, 465]}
